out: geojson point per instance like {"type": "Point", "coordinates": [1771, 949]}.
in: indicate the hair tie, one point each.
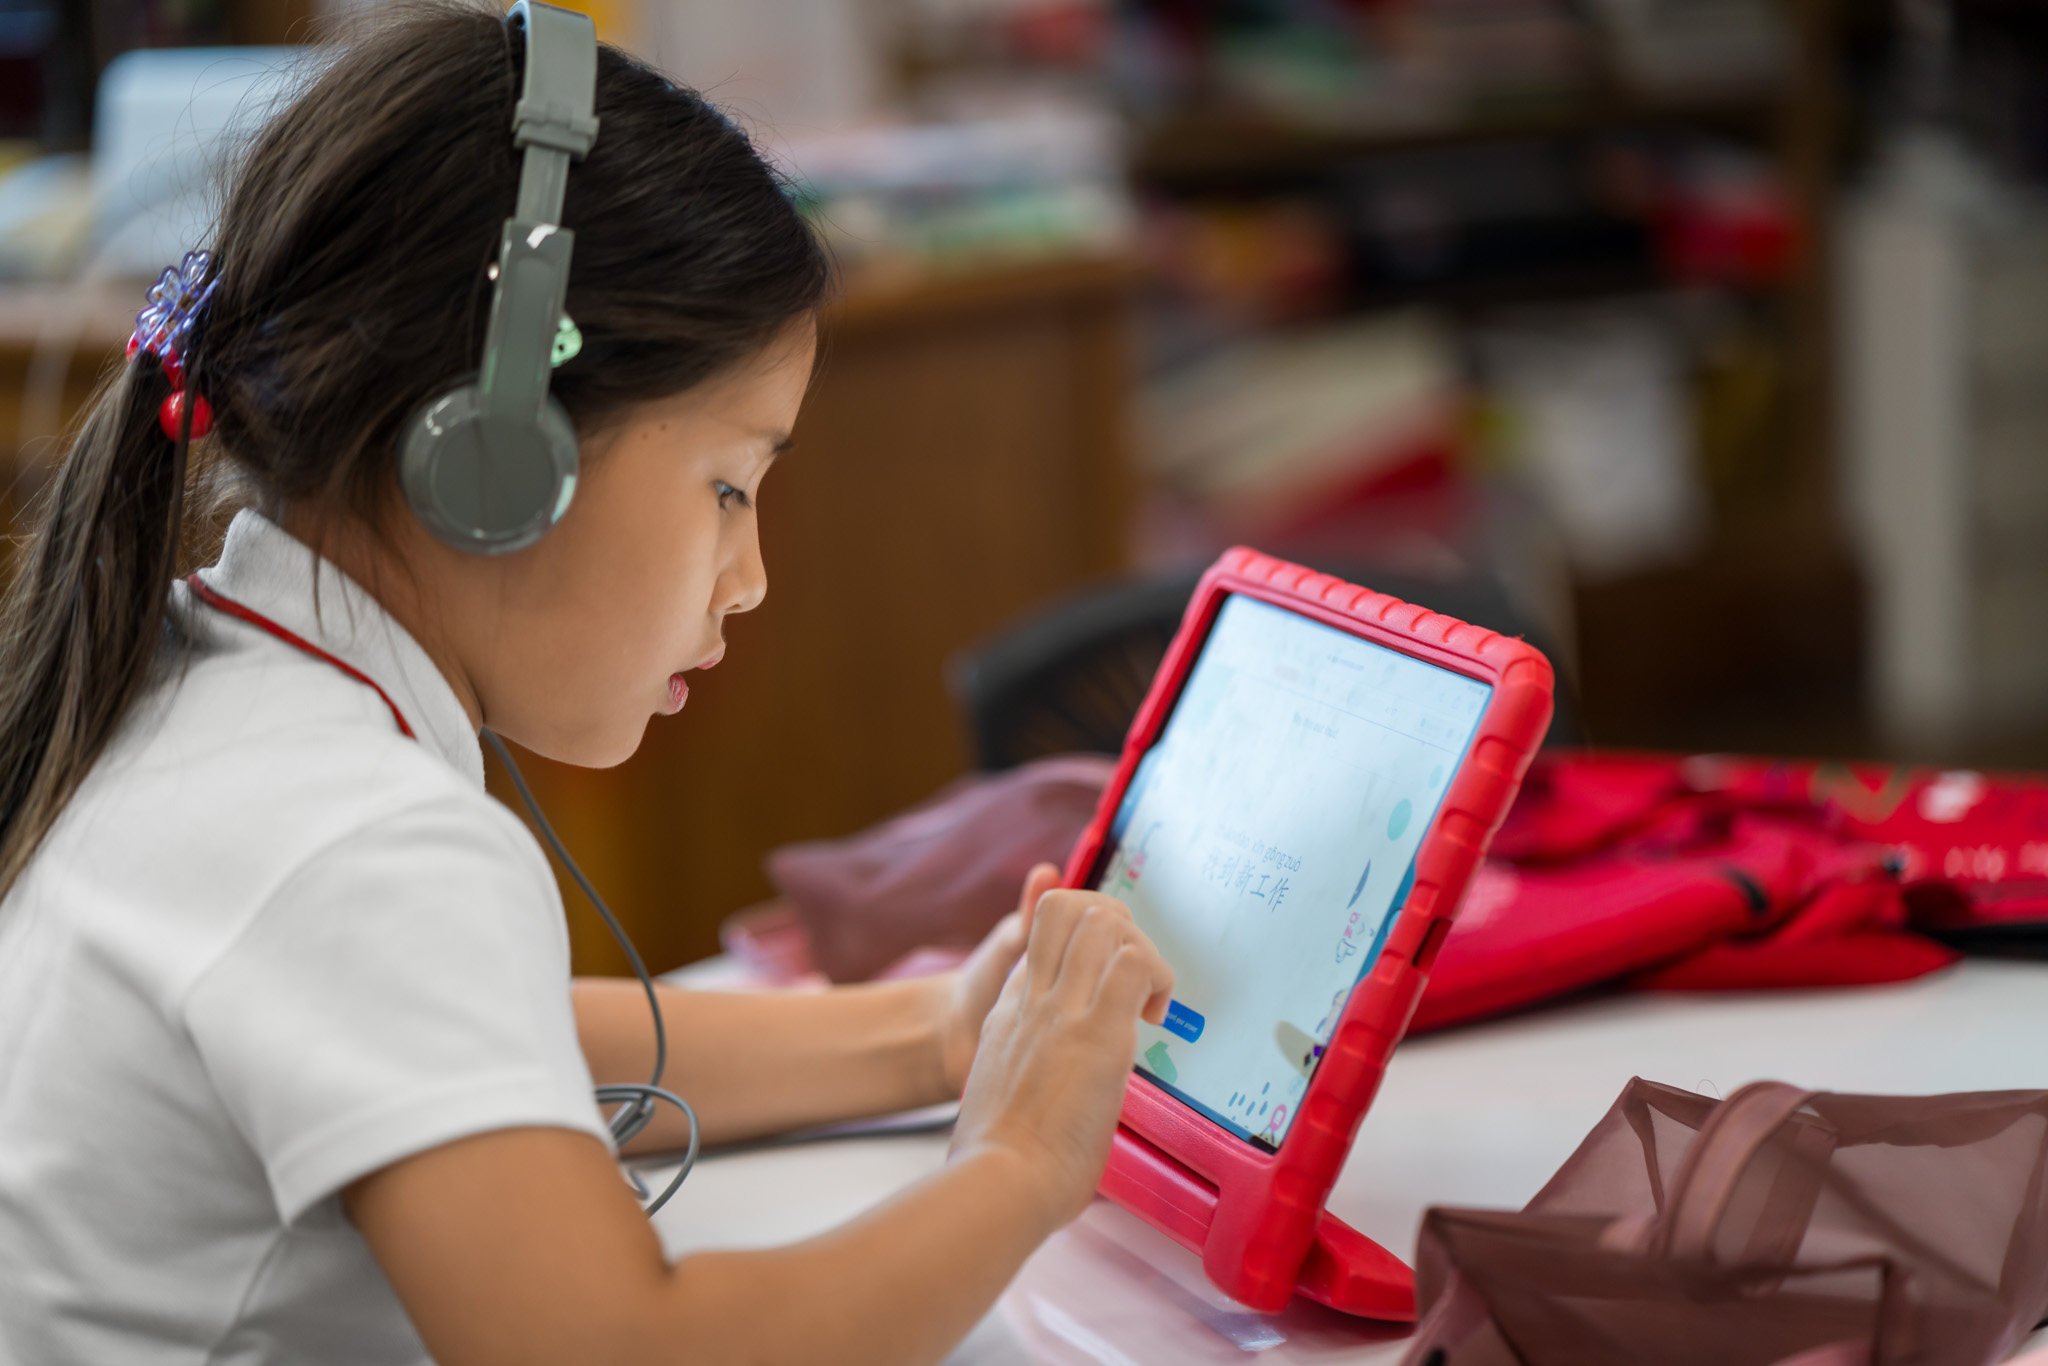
{"type": "Point", "coordinates": [163, 328]}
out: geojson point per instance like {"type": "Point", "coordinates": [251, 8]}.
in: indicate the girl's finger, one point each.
{"type": "Point", "coordinates": [1162, 997]}
{"type": "Point", "coordinates": [1052, 924]}
{"type": "Point", "coordinates": [1096, 938]}
{"type": "Point", "coordinates": [1041, 879]}
{"type": "Point", "coordinates": [1137, 982]}
{"type": "Point", "coordinates": [1006, 940]}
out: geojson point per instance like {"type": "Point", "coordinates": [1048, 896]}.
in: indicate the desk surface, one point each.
{"type": "Point", "coordinates": [1475, 1117]}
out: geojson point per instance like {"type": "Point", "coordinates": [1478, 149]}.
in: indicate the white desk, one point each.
{"type": "Point", "coordinates": [1478, 1117]}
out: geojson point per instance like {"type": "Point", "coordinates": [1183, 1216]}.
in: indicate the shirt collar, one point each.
{"type": "Point", "coordinates": [266, 569]}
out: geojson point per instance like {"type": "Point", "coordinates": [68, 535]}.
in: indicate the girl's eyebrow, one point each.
{"type": "Point", "coordinates": [780, 443]}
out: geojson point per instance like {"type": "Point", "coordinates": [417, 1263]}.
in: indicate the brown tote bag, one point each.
{"type": "Point", "coordinates": [1779, 1227]}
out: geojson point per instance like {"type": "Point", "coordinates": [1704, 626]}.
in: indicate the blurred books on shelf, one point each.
{"type": "Point", "coordinates": [1410, 67]}
{"type": "Point", "coordinates": [1594, 410]}
{"type": "Point", "coordinates": [1276, 431]}
{"type": "Point", "coordinates": [1695, 46]}
{"type": "Point", "coordinates": [1364, 70]}
{"type": "Point", "coordinates": [1481, 223]}
{"type": "Point", "coordinates": [1392, 66]}
{"type": "Point", "coordinates": [787, 69]}
{"type": "Point", "coordinates": [1723, 215]}
{"type": "Point", "coordinates": [1590, 410]}
{"type": "Point", "coordinates": [908, 197]}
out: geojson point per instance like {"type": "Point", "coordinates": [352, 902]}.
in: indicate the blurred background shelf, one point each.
{"type": "Point", "coordinates": [1196, 147]}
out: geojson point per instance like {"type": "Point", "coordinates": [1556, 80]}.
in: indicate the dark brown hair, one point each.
{"type": "Point", "coordinates": [351, 258]}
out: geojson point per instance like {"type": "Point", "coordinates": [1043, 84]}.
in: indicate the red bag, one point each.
{"type": "Point", "coordinates": [1971, 848]}
{"type": "Point", "coordinates": [1748, 904]}
{"type": "Point", "coordinates": [1656, 872]}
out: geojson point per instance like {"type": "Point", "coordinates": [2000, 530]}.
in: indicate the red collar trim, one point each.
{"type": "Point", "coordinates": [220, 603]}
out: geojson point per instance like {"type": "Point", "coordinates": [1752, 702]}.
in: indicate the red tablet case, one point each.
{"type": "Point", "coordinates": [1257, 1217]}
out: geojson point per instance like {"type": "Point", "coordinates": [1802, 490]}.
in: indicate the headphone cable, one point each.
{"type": "Point", "coordinates": [636, 1100]}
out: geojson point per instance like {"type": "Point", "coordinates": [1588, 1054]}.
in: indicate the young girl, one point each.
{"type": "Point", "coordinates": [291, 1066]}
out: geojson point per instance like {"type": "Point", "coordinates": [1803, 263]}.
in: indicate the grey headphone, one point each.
{"type": "Point", "coordinates": [490, 465]}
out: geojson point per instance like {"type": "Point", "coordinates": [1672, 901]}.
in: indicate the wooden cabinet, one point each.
{"type": "Point", "coordinates": [961, 458]}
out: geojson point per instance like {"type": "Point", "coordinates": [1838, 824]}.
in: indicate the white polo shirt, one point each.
{"type": "Point", "coordinates": [270, 947]}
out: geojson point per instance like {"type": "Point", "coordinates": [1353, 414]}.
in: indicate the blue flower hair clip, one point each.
{"type": "Point", "coordinates": [164, 326]}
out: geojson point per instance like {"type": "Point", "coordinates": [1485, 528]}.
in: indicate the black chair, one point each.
{"type": "Point", "coordinates": [1069, 678]}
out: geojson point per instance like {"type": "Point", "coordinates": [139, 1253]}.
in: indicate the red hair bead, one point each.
{"type": "Point", "coordinates": [171, 415]}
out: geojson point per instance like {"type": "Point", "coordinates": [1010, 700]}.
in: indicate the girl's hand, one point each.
{"type": "Point", "coordinates": [965, 996]}
{"type": "Point", "coordinates": [1048, 1079]}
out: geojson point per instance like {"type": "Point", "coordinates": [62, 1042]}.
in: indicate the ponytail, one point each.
{"type": "Point", "coordinates": [83, 621]}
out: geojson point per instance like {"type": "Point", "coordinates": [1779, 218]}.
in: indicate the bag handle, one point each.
{"type": "Point", "coordinates": [1714, 1164]}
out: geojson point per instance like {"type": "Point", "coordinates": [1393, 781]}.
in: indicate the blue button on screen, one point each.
{"type": "Point", "coordinates": [1184, 1022]}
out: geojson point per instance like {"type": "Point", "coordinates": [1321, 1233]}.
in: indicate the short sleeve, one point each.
{"type": "Point", "coordinates": [406, 987]}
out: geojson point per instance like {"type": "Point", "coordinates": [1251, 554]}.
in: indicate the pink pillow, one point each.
{"type": "Point", "coordinates": [941, 874]}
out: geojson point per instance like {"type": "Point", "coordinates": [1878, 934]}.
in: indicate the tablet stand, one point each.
{"type": "Point", "coordinates": [1344, 1269]}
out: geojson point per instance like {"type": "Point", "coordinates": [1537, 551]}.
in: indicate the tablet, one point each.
{"type": "Point", "coordinates": [1312, 778]}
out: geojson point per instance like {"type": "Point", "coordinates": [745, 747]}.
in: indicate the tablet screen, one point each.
{"type": "Point", "coordinates": [1267, 840]}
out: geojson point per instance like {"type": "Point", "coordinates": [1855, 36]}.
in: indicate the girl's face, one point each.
{"type": "Point", "coordinates": [570, 646]}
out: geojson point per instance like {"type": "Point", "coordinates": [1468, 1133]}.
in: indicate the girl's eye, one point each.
{"type": "Point", "coordinates": [728, 495]}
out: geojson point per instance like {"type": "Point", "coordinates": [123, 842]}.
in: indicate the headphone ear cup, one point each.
{"type": "Point", "coordinates": [487, 484]}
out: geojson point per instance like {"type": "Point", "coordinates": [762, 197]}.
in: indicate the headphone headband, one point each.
{"type": "Point", "coordinates": [559, 87]}
{"type": "Point", "coordinates": [554, 124]}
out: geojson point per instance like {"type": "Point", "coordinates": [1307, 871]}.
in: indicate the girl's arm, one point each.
{"type": "Point", "coordinates": [523, 1246]}
{"type": "Point", "coordinates": [753, 1063]}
